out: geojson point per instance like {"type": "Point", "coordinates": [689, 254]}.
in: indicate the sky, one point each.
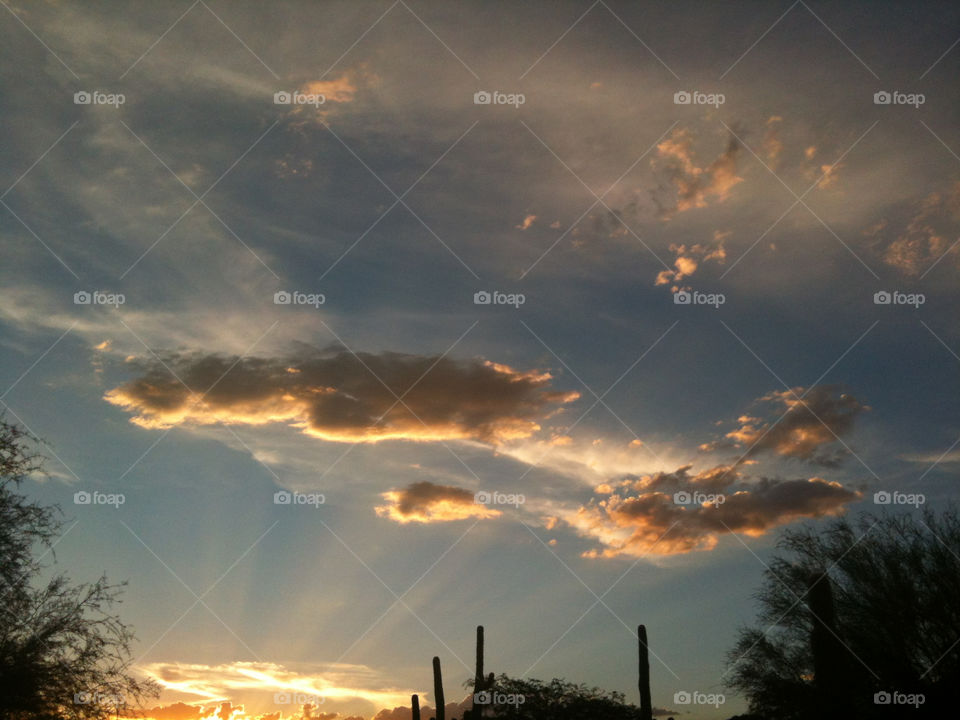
{"type": "Point", "coordinates": [349, 326]}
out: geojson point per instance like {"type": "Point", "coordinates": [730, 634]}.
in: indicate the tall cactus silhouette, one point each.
{"type": "Point", "coordinates": [415, 705]}
{"type": "Point", "coordinates": [438, 689]}
{"type": "Point", "coordinates": [646, 705]}
{"type": "Point", "coordinates": [478, 679]}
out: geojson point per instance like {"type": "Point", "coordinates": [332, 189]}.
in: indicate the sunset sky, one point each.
{"type": "Point", "coordinates": [386, 202]}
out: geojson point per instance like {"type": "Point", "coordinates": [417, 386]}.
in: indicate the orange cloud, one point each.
{"type": "Point", "coordinates": [337, 396]}
{"type": "Point", "coordinates": [930, 232]}
{"type": "Point", "coordinates": [772, 144]}
{"type": "Point", "coordinates": [654, 522]}
{"type": "Point", "coordinates": [339, 90]}
{"type": "Point", "coordinates": [695, 185]}
{"type": "Point", "coordinates": [829, 176]}
{"type": "Point", "coordinates": [809, 423]}
{"type": "Point", "coordinates": [272, 690]}
{"type": "Point", "coordinates": [425, 502]}
{"type": "Point", "coordinates": [689, 258]}
{"type": "Point", "coordinates": [229, 711]}
{"type": "Point", "coordinates": [527, 222]}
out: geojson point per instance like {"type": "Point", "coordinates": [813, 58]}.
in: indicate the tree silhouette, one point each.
{"type": "Point", "coordinates": [856, 615]}
{"type": "Point", "coordinates": [62, 653]}
{"type": "Point", "coordinates": [557, 700]}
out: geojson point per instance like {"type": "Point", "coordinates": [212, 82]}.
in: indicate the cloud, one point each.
{"type": "Point", "coordinates": [337, 396]}
{"type": "Point", "coordinates": [811, 420]}
{"type": "Point", "coordinates": [694, 185]}
{"type": "Point", "coordinates": [829, 176]}
{"type": "Point", "coordinates": [932, 457]}
{"type": "Point", "coordinates": [930, 232]}
{"type": "Point", "coordinates": [527, 222]}
{"type": "Point", "coordinates": [641, 516]}
{"type": "Point", "coordinates": [425, 502]}
{"type": "Point", "coordinates": [257, 683]}
{"type": "Point", "coordinates": [404, 712]}
{"type": "Point", "coordinates": [339, 90]}
{"type": "Point", "coordinates": [689, 258]}
{"type": "Point", "coordinates": [772, 144]}
{"type": "Point", "coordinates": [176, 711]}
{"type": "Point", "coordinates": [229, 711]}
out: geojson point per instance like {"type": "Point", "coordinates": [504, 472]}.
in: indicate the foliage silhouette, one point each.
{"type": "Point", "coordinates": [557, 700]}
{"type": "Point", "coordinates": [62, 653]}
{"type": "Point", "coordinates": [871, 607]}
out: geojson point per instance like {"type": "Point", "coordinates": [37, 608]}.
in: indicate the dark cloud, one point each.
{"type": "Point", "coordinates": [812, 421]}
{"type": "Point", "coordinates": [425, 502]}
{"type": "Point", "coordinates": [646, 516]}
{"type": "Point", "coordinates": [337, 396]}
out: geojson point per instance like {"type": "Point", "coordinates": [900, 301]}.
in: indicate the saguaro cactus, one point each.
{"type": "Point", "coordinates": [478, 679]}
{"type": "Point", "coordinates": [478, 676]}
{"type": "Point", "coordinates": [438, 689]}
{"type": "Point", "coordinates": [646, 705]}
{"type": "Point", "coordinates": [415, 705]}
